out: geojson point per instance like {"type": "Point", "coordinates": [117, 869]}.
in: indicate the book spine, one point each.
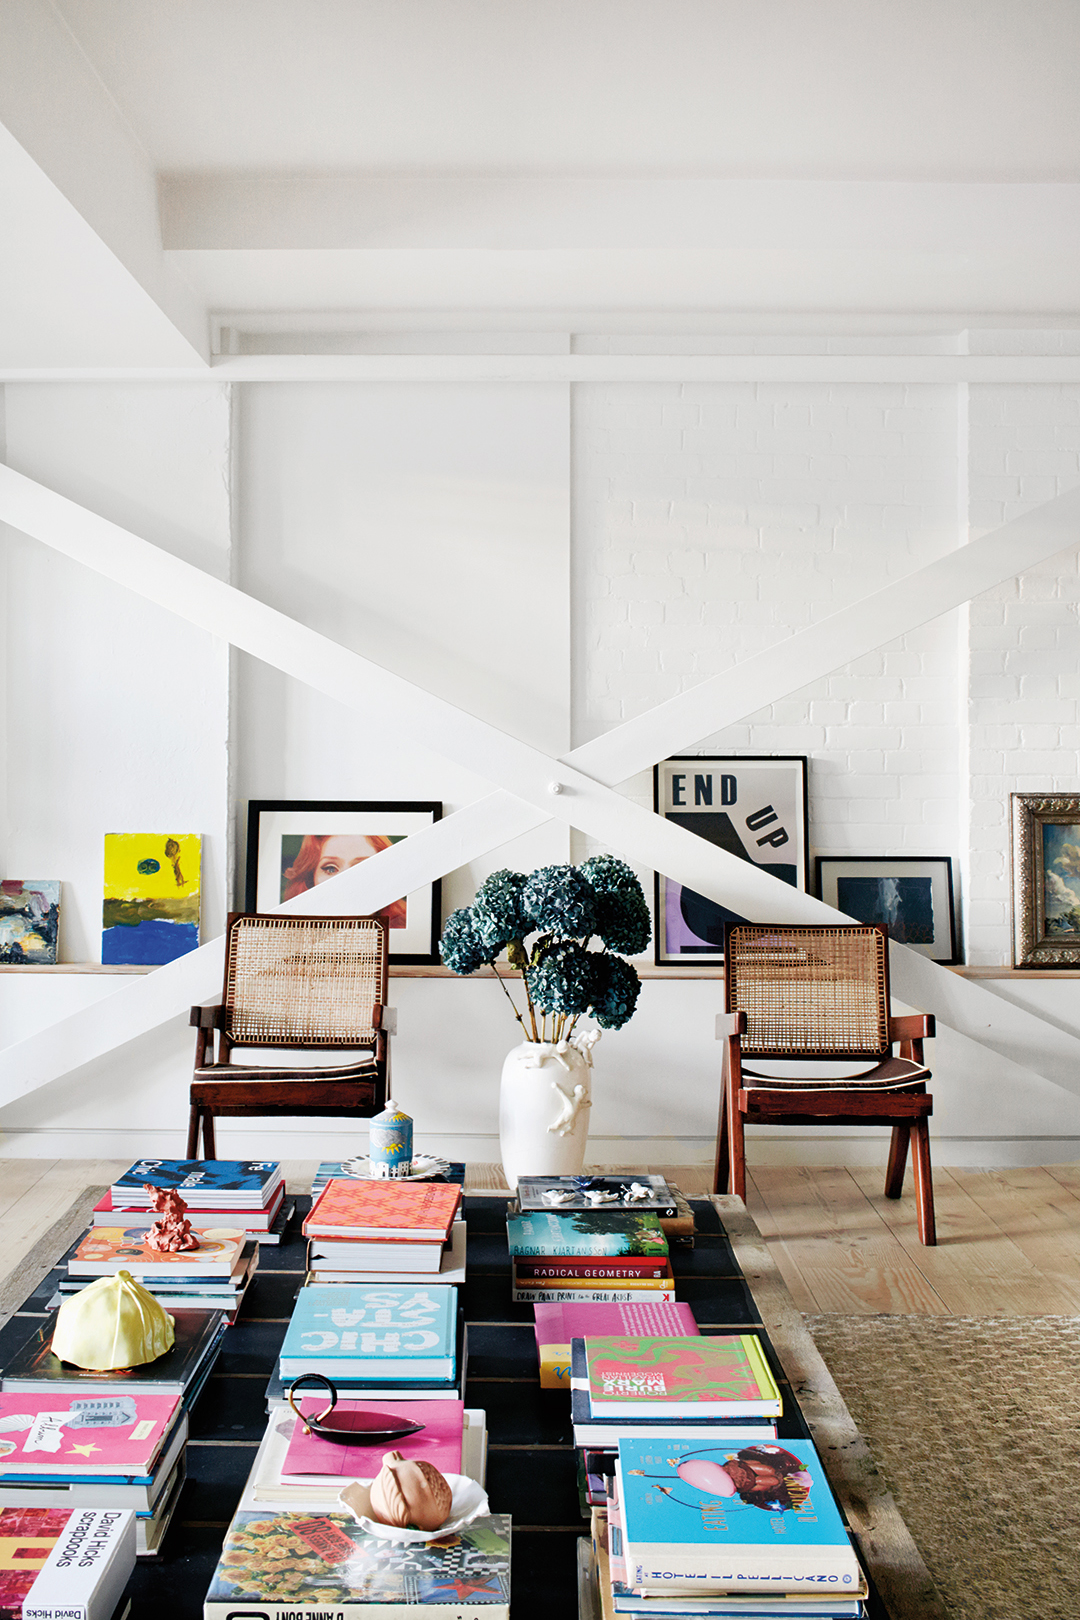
{"type": "Point", "coordinates": [597, 1296]}
{"type": "Point", "coordinates": [581, 1267]}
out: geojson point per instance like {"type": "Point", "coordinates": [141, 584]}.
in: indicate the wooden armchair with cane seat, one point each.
{"type": "Point", "coordinates": [796, 997]}
{"type": "Point", "coordinates": [300, 983]}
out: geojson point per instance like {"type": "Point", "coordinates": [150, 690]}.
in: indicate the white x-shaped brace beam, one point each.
{"type": "Point", "coordinates": [532, 787]}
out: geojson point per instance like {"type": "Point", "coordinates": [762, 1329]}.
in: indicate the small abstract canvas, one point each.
{"type": "Point", "coordinates": [29, 919]}
{"type": "Point", "coordinates": [151, 911]}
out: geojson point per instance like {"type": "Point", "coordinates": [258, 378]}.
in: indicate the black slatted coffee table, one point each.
{"type": "Point", "coordinates": [531, 1470]}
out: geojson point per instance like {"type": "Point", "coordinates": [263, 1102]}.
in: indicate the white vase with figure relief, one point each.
{"type": "Point", "coordinates": [544, 1101]}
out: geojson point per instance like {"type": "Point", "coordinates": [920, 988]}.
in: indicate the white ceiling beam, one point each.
{"type": "Point", "coordinates": [55, 108]}
{"type": "Point", "coordinates": [252, 212]}
{"type": "Point", "coordinates": [1053, 369]}
{"type": "Point", "coordinates": [559, 788]}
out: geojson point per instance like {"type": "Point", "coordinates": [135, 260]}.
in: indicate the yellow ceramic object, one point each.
{"type": "Point", "coordinates": [113, 1322]}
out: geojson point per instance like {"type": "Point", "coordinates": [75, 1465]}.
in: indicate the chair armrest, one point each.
{"type": "Point", "coordinates": [384, 1018]}
{"type": "Point", "coordinates": [728, 1024]}
{"type": "Point", "coordinates": [913, 1027]}
{"type": "Point", "coordinates": [206, 1017]}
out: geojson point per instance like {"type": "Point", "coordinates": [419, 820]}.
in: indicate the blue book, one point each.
{"type": "Point", "coordinates": [372, 1332]}
{"type": "Point", "coordinates": [585, 1231]}
{"type": "Point", "coordinates": [701, 1518]}
{"type": "Point", "coordinates": [215, 1181]}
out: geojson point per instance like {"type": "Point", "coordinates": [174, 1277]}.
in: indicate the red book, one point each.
{"type": "Point", "coordinates": [417, 1211]}
{"type": "Point", "coordinates": [108, 1213]}
{"type": "Point", "coordinates": [592, 1267]}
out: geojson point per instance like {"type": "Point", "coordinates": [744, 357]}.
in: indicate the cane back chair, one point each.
{"type": "Point", "coordinates": [301, 983]}
{"type": "Point", "coordinates": [795, 997]}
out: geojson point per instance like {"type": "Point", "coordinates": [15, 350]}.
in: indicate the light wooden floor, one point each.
{"type": "Point", "coordinates": [1008, 1240]}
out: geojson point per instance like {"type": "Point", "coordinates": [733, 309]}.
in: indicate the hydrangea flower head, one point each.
{"type": "Point", "coordinates": [461, 947]}
{"type": "Point", "coordinates": [561, 980]}
{"type": "Point", "coordinates": [498, 912]}
{"type": "Point", "coordinates": [623, 921]}
{"type": "Point", "coordinates": [560, 901]}
{"type": "Point", "coordinates": [615, 989]}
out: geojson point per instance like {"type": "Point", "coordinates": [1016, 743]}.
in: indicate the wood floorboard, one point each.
{"type": "Point", "coordinates": [976, 1267]}
{"type": "Point", "coordinates": [783, 1260]}
{"type": "Point", "coordinates": [1043, 1219]}
{"type": "Point", "coordinates": [849, 1259]}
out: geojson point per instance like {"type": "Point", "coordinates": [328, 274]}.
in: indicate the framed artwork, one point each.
{"type": "Point", "coordinates": [911, 895]}
{"type": "Point", "coordinates": [29, 919]}
{"type": "Point", "coordinates": [150, 910]}
{"type": "Point", "coordinates": [296, 844]}
{"type": "Point", "coordinates": [1046, 880]}
{"type": "Point", "coordinates": [753, 807]}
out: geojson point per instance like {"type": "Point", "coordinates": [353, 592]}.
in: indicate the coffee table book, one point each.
{"type": "Point", "coordinates": [584, 1232]}
{"type": "Point", "coordinates": [182, 1370]}
{"type": "Point", "coordinates": [558, 1323]}
{"type": "Point", "coordinates": [573, 1194]}
{"type": "Point", "coordinates": [660, 1290]}
{"type": "Point", "coordinates": [451, 1263]}
{"type": "Point", "coordinates": [722, 1374]}
{"type": "Point", "coordinates": [416, 1211]}
{"type": "Point", "coordinates": [690, 1528]}
{"type": "Point", "coordinates": [143, 1494]}
{"type": "Point", "coordinates": [283, 1564]}
{"type": "Point", "coordinates": [109, 1211]}
{"type": "Point", "coordinates": [105, 1250]}
{"type": "Point", "coordinates": [361, 1331]}
{"type": "Point", "coordinates": [231, 1184]}
{"type": "Point", "coordinates": [46, 1574]}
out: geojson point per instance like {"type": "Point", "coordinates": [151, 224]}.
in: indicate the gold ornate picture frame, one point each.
{"type": "Point", "coordinates": [1046, 880]}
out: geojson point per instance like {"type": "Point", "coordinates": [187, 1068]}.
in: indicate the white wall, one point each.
{"type": "Point", "coordinates": [556, 566]}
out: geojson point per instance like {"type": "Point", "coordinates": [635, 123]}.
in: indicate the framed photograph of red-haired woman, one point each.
{"type": "Point", "coordinates": [294, 845]}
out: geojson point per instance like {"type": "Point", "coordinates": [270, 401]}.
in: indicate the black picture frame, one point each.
{"type": "Point", "coordinates": [734, 799]}
{"type": "Point", "coordinates": [921, 914]}
{"type": "Point", "coordinates": [278, 828]}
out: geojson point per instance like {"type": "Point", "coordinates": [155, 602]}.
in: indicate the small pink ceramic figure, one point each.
{"type": "Point", "coordinates": [171, 1232]}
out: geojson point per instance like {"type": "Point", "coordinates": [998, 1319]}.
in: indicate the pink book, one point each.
{"type": "Point", "coordinates": [439, 1441]}
{"type": "Point", "coordinates": [66, 1434]}
{"type": "Point", "coordinates": [556, 1325]}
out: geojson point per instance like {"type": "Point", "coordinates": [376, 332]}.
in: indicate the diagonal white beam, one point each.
{"type": "Point", "coordinates": [583, 802]}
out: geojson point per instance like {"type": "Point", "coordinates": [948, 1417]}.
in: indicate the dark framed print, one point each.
{"type": "Point", "coordinates": [752, 806]}
{"type": "Point", "coordinates": [911, 895]}
{"type": "Point", "coordinates": [1046, 880]}
{"type": "Point", "coordinates": [295, 844]}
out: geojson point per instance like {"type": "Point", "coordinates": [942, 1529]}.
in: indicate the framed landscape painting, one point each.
{"type": "Point", "coordinates": [754, 807]}
{"type": "Point", "coordinates": [294, 845]}
{"type": "Point", "coordinates": [29, 920]}
{"type": "Point", "coordinates": [150, 912]}
{"type": "Point", "coordinates": [911, 895]}
{"type": "Point", "coordinates": [1046, 880]}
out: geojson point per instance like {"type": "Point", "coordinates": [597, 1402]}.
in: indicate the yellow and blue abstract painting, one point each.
{"type": "Point", "coordinates": [151, 911]}
{"type": "Point", "coordinates": [29, 919]}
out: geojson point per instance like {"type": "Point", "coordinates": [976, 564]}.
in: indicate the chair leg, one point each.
{"type": "Point", "coordinates": [720, 1167]}
{"type": "Point", "coordinates": [924, 1185]}
{"type": "Point", "coordinates": [209, 1146]}
{"type": "Point", "coordinates": [737, 1146]}
{"type": "Point", "coordinates": [898, 1151]}
{"type": "Point", "coordinates": [193, 1133]}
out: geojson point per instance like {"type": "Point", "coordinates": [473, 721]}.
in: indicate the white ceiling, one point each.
{"type": "Point", "coordinates": [567, 164]}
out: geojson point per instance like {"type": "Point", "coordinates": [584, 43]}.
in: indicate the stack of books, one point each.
{"type": "Point", "coordinates": [114, 1440]}
{"type": "Point", "coordinates": [213, 1277]}
{"type": "Point", "coordinates": [717, 1388]}
{"type": "Point", "coordinates": [653, 1194]}
{"type": "Point", "coordinates": [60, 1562]}
{"type": "Point", "coordinates": [721, 1531]}
{"type": "Point", "coordinates": [386, 1231]}
{"type": "Point", "coordinates": [401, 1342]}
{"type": "Point", "coordinates": [120, 1451]}
{"type": "Point", "coordinates": [233, 1195]}
{"type": "Point", "coordinates": [609, 1256]}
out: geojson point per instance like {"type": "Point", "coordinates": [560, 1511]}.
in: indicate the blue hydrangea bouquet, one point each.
{"type": "Point", "coordinates": [547, 923]}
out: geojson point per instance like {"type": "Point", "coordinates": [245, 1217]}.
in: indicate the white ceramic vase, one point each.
{"type": "Point", "coordinates": [544, 1101]}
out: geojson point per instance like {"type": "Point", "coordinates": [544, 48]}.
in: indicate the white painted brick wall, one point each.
{"type": "Point", "coordinates": [1023, 641]}
{"type": "Point", "coordinates": [713, 520]}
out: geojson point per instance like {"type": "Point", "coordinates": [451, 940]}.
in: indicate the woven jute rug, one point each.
{"type": "Point", "coordinates": [974, 1423]}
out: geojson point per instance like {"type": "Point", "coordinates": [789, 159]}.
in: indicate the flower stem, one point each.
{"type": "Point", "coordinates": [513, 1003]}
